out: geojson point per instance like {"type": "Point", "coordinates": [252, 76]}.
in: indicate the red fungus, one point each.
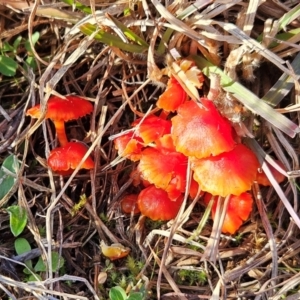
{"type": "Point", "coordinates": [238, 210]}
{"type": "Point", "coordinates": [228, 173]}
{"type": "Point", "coordinates": [164, 169]}
{"type": "Point", "coordinates": [61, 110]}
{"type": "Point", "coordinates": [155, 204]}
{"type": "Point", "coordinates": [129, 146]}
{"type": "Point", "coordinates": [199, 130]}
{"type": "Point", "coordinates": [129, 204]}
{"type": "Point", "coordinates": [172, 97]}
{"type": "Point", "coordinates": [262, 178]}
{"type": "Point", "coordinates": [64, 160]}
{"type": "Point", "coordinates": [151, 128]}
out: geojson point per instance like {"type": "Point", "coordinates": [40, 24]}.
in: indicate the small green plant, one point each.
{"type": "Point", "coordinates": [8, 52]}
{"type": "Point", "coordinates": [17, 219]}
{"type": "Point", "coordinates": [191, 277]}
{"type": "Point", "coordinates": [33, 271]}
{"type": "Point", "coordinates": [118, 293]}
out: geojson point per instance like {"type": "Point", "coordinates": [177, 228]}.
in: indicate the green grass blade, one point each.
{"type": "Point", "coordinates": [129, 33]}
{"type": "Point", "coordinates": [250, 100]}
{"type": "Point", "coordinates": [79, 6]}
{"type": "Point", "coordinates": [109, 39]}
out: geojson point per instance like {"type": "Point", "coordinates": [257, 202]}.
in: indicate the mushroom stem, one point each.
{"type": "Point", "coordinates": [61, 132]}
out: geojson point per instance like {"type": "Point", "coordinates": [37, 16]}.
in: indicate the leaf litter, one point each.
{"type": "Point", "coordinates": [115, 55]}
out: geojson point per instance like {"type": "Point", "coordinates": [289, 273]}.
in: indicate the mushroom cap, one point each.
{"type": "Point", "coordinates": [201, 131]}
{"type": "Point", "coordinates": [262, 178]}
{"type": "Point", "coordinates": [63, 160]}
{"type": "Point", "coordinates": [228, 173]}
{"type": "Point", "coordinates": [238, 210]}
{"type": "Point", "coordinates": [129, 204]}
{"type": "Point", "coordinates": [71, 108]}
{"type": "Point", "coordinates": [151, 128]}
{"type": "Point", "coordinates": [164, 169]}
{"type": "Point", "coordinates": [129, 146]}
{"type": "Point", "coordinates": [114, 251]}
{"type": "Point", "coordinates": [155, 204]}
{"type": "Point", "coordinates": [172, 97]}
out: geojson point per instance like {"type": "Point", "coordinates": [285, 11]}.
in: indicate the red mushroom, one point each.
{"type": "Point", "coordinates": [64, 160]}
{"type": "Point", "coordinates": [129, 146]}
{"type": "Point", "coordinates": [61, 110]}
{"type": "Point", "coordinates": [228, 173]}
{"type": "Point", "coordinates": [200, 131]}
{"type": "Point", "coordinates": [155, 204]}
{"type": "Point", "coordinates": [262, 178]}
{"type": "Point", "coordinates": [151, 128]}
{"type": "Point", "coordinates": [164, 169]}
{"type": "Point", "coordinates": [238, 210]}
{"type": "Point", "coordinates": [172, 97]}
{"type": "Point", "coordinates": [129, 204]}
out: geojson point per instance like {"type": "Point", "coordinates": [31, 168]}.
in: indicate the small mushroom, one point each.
{"type": "Point", "coordinates": [114, 251]}
{"type": "Point", "coordinates": [262, 178]}
{"type": "Point", "coordinates": [64, 160]}
{"type": "Point", "coordinates": [199, 130]}
{"type": "Point", "coordinates": [228, 173]}
{"type": "Point", "coordinates": [155, 204]}
{"type": "Point", "coordinates": [129, 146]}
{"type": "Point", "coordinates": [172, 97]}
{"type": "Point", "coordinates": [151, 128]}
{"type": "Point", "coordinates": [129, 204]}
{"type": "Point", "coordinates": [238, 210]}
{"type": "Point", "coordinates": [62, 110]}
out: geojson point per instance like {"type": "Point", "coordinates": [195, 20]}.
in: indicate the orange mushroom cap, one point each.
{"type": "Point", "coordinates": [201, 131]}
{"type": "Point", "coordinates": [114, 251]}
{"type": "Point", "coordinates": [129, 204]}
{"type": "Point", "coordinates": [71, 108]}
{"type": "Point", "coordinates": [61, 110]}
{"type": "Point", "coordinates": [172, 97]}
{"type": "Point", "coordinates": [129, 146]}
{"type": "Point", "coordinates": [238, 210]}
{"type": "Point", "coordinates": [152, 128]}
{"type": "Point", "coordinates": [164, 169]}
{"type": "Point", "coordinates": [228, 173]}
{"type": "Point", "coordinates": [155, 204]}
{"type": "Point", "coordinates": [64, 160]}
{"type": "Point", "coordinates": [262, 178]}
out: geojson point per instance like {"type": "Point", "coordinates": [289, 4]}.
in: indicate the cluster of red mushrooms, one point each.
{"type": "Point", "coordinates": [188, 131]}
{"type": "Point", "coordinates": [185, 131]}
{"type": "Point", "coordinates": [64, 160]}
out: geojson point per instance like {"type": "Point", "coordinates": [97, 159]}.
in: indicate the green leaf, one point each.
{"type": "Point", "coordinates": [31, 62]}
{"type": "Point", "coordinates": [136, 296]}
{"type": "Point", "coordinates": [17, 43]}
{"type": "Point", "coordinates": [22, 246]}
{"type": "Point", "coordinates": [34, 278]}
{"type": "Point", "coordinates": [6, 180]}
{"type": "Point", "coordinates": [35, 37]}
{"type": "Point", "coordinates": [8, 66]}
{"type": "Point", "coordinates": [17, 220]}
{"type": "Point", "coordinates": [78, 5]}
{"type": "Point", "coordinates": [57, 263]}
{"type": "Point", "coordinates": [6, 47]}
{"type": "Point", "coordinates": [117, 293]}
